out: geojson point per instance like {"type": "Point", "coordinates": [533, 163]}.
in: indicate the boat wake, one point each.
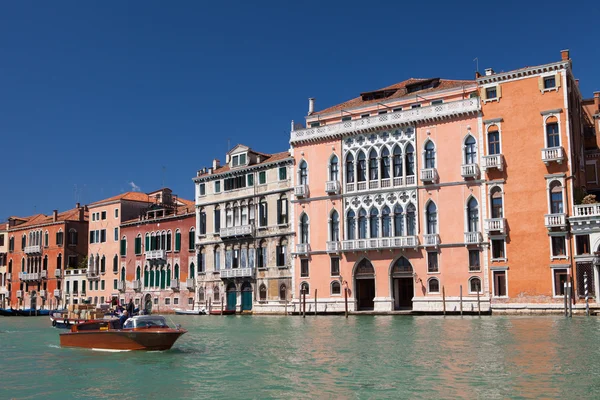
{"type": "Point", "coordinates": [54, 346]}
{"type": "Point", "coordinates": [110, 350]}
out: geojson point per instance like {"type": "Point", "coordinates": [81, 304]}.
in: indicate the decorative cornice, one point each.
{"type": "Point", "coordinates": [158, 220]}
{"type": "Point", "coordinates": [520, 73]}
{"type": "Point", "coordinates": [554, 111]}
{"type": "Point", "coordinates": [493, 120]}
{"type": "Point", "coordinates": [243, 171]}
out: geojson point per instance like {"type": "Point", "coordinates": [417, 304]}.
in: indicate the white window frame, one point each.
{"type": "Point", "coordinates": [464, 147]}
{"type": "Point", "coordinates": [555, 234]}
{"type": "Point", "coordinates": [201, 185]}
{"type": "Point", "coordinates": [439, 285]}
{"type": "Point", "coordinates": [485, 133]}
{"type": "Point", "coordinates": [331, 288]}
{"type": "Point", "coordinates": [466, 213]}
{"type": "Point", "coordinates": [218, 181]}
{"type": "Point", "coordinates": [116, 213]}
{"type": "Point", "coordinates": [435, 153]}
{"type": "Point", "coordinates": [258, 177]}
{"type": "Point", "coordinates": [480, 284]}
{"type": "Point", "coordinates": [339, 172]}
{"type": "Point", "coordinates": [488, 86]}
{"type": "Point", "coordinates": [545, 118]}
{"type": "Point", "coordinates": [298, 175]}
{"type": "Point", "coordinates": [595, 164]}
{"type": "Point", "coordinates": [494, 269]}
{"type": "Point", "coordinates": [439, 262]}
{"type": "Point", "coordinates": [549, 179]}
{"type": "Point", "coordinates": [557, 81]}
{"type": "Point", "coordinates": [559, 266]}
{"type": "Point", "coordinates": [498, 237]}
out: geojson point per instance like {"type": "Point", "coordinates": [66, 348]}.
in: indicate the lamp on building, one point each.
{"type": "Point", "coordinates": [416, 278]}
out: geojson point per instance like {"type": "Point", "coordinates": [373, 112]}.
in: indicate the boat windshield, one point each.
{"type": "Point", "coordinates": [157, 322]}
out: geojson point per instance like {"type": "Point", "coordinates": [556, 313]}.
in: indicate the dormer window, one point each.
{"type": "Point", "coordinates": [491, 92]}
{"type": "Point", "coordinates": [549, 82]}
{"type": "Point", "coordinates": [238, 160]}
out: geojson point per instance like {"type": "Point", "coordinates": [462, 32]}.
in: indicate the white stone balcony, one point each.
{"type": "Point", "coordinates": [92, 275]}
{"type": "Point", "coordinates": [156, 255]}
{"type": "Point", "coordinates": [43, 294]}
{"type": "Point", "coordinates": [57, 273]}
{"type": "Point", "coordinates": [56, 292]}
{"type": "Point", "coordinates": [301, 191]}
{"type": "Point", "coordinates": [473, 237]}
{"type": "Point", "coordinates": [399, 181]}
{"type": "Point", "coordinates": [237, 273]}
{"type": "Point", "coordinates": [429, 175]}
{"type": "Point", "coordinates": [398, 242]}
{"type": "Point", "coordinates": [190, 283]}
{"type": "Point", "coordinates": [388, 121]}
{"type": "Point", "coordinates": [175, 284]}
{"type": "Point", "coordinates": [493, 161]}
{"type": "Point", "coordinates": [43, 274]}
{"type": "Point", "coordinates": [3, 290]}
{"type": "Point", "coordinates": [431, 239]}
{"type": "Point", "coordinates": [237, 231]}
{"type": "Point", "coordinates": [553, 154]}
{"type": "Point", "coordinates": [32, 276]}
{"type": "Point", "coordinates": [302, 248]}
{"type": "Point", "coordinates": [121, 286]}
{"type": "Point", "coordinates": [469, 171]}
{"type": "Point", "coordinates": [584, 215]}
{"type": "Point", "coordinates": [555, 221]}
{"type": "Point", "coordinates": [35, 249]}
{"type": "Point", "coordinates": [19, 294]}
{"type": "Point", "coordinates": [332, 187]}
{"type": "Point", "coordinates": [495, 225]}
{"type": "Point", "coordinates": [9, 276]}
{"type": "Point", "coordinates": [137, 285]}
{"type": "Point", "coordinates": [334, 247]}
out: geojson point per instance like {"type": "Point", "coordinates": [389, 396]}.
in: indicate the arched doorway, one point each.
{"type": "Point", "coordinates": [246, 296]}
{"type": "Point", "coordinates": [33, 303]}
{"type": "Point", "coordinates": [402, 284]}
{"type": "Point", "coordinates": [231, 296]}
{"type": "Point", "coordinates": [148, 304]}
{"type": "Point", "coordinates": [364, 276]}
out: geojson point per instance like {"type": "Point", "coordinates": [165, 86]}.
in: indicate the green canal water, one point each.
{"type": "Point", "coordinates": [362, 357]}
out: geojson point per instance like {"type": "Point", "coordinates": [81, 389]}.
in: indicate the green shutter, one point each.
{"type": "Point", "coordinates": [168, 277]}
{"type": "Point", "coordinates": [123, 247]}
{"type": "Point", "coordinates": [146, 276]}
{"type": "Point", "coordinates": [147, 242]}
{"type": "Point", "coordinates": [177, 241]}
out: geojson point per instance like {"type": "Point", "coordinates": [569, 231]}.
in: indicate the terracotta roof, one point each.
{"type": "Point", "coordinates": [401, 92]}
{"type": "Point", "coordinates": [269, 158]}
{"type": "Point", "coordinates": [186, 202]}
{"type": "Point", "coordinates": [41, 219]}
{"type": "Point", "coordinates": [181, 211]}
{"type": "Point", "coordinates": [132, 196]}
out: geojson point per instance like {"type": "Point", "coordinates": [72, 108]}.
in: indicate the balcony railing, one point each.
{"type": "Point", "coordinates": [555, 221]}
{"type": "Point", "coordinates": [57, 273]}
{"type": "Point", "coordinates": [3, 290]}
{"type": "Point", "coordinates": [236, 231]}
{"type": "Point", "coordinates": [237, 272]}
{"type": "Point", "coordinates": [191, 284]}
{"type": "Point", "coordinates": [175, 284]}
{"type": "Point", "coordinates": [553, 154]}
{"type": "Point", "coordinates": [473, 237]}
{"type": "Point", "coordinates": [334, 247]}
{"type": "Point", "coordinates": [399, 181]}
{"type": "Point", "coordinates": [121, 286]}
{"type": "Point", "coordinates": [429, 175]}
{"type": "Point", "coordinates": [389, 120]}
{"type": "Point", "coordinates": [32, 276]}
{"type": "Point", "coordinates": [302, 248]}
{"type": "Point", "coordinates": [56, 292]}
{"type": "Point", "coordinates": [431, 239]}
{"type": "Point", "coordinates": [19, 294]}
{"type": "Point", "coordinates": [586, 210]}
{"type": "Point", "coordinates": [43, 294]}
{"type": "Point", "coordinates": [92, 275]}
{"type": "Point", "coordinates": [495, 225]}
{"type": "Point", "coordinates": [493, 161]}
{"type": "Point", "coordinates": [332, 187]}
{"type": "Point", "coordinates": [381, 243]}
{"type": "Point", "coordinates": [9, 276]}
{"type": "Point", "coordinates": [43, 274]}
{"type": "Point", "coordinates": [35, 249]}
{"type": "Point", "coordinates": [137, 284]}
{"type": "Point", "coordinates": [156, 255]}
{"type": "Point", "coordinates": [469, 171]}
{"type": "Point", "coordinates": [301, 191]}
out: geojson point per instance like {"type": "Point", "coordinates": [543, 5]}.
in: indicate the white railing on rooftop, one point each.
{"type": "Point", "coordinates": [586, 210]}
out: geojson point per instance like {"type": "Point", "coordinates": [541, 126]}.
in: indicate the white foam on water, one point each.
{"type": "Point", "coordinates": [110, 350]}
{"type": "Point", "coordinates": [54, 346]}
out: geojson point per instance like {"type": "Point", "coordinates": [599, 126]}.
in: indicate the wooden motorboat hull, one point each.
{"type": "Point", "coordinates": [224, 312]}
{"type": "Point", "coordinates": [65, 323]}
{"type": "Point", "coordinates": [124, 339]}
{"type": "Point", "coordinates": [7, 312]}
{"type": "Point", "coordinates": [28, 312]}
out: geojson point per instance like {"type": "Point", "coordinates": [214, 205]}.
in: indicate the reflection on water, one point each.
{"type": "Point", "coordinates": [317, 357]}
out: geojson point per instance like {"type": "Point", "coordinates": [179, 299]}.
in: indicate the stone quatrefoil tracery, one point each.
{"type": "Point", "coordinates": [377, 139]}
{"type": "Point", "coordinates": [402, 198]}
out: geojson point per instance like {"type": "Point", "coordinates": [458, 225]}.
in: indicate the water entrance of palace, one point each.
{"type": "Point", "coordinates": [246, 296]}
{"type": "Point", "coordinates": [402, 284]}
{"type": "Point", "coordinates": [231, 296]}
{"type": "Point", "coordinates": [364, 277]}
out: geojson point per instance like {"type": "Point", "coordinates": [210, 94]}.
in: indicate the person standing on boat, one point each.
{"type": "Point", "coordinates": [130, 307]}
{"type": "Point", "coordinates": [124, 317]}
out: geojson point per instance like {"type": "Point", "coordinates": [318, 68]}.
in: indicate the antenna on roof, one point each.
{"type": "Point", "coordinates": [476, 64]}
{"type": "Point", "coordinates": [228, 145]}
{"type": "Point", "coordinates": [164, 171]}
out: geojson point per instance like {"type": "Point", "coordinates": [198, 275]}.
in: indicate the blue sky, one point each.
{"type": "Point", "coordinates": [98, 96]}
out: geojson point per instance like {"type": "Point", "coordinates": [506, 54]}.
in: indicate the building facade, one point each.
{"type": "Point", "coordinates": [3, 261]}
{"type": "Point", "coordinates": [244, 232]}
{"type": "Point", "coordinates": [157, 255]}
{"type": "Point", "coordinates": [40, 249]}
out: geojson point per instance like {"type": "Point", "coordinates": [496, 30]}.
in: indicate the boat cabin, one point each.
{"type": "Point", "coordinates": [146, 321]}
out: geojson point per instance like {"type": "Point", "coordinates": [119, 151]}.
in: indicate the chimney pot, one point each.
{"type": "Point", "coordinates": [577, 82]}
{"type": "Point", "coordinates": [227, 159]}
{"type": "Point", "coordinates": [54, 215]}
{"type": "Point", "coordinates": [77, 205]}
{"type": "Point", "coordinates": [477, 74]}
{"type": "Point", "coordinates": [564, 55]}
{"type": "Point", "coordinates": [311, 105]}
{"type": "Point", "coordinates": [489, 71]}
{"type": "Point", "coordinates": [216, 163]}
{"type": "Point", "coordinates": [292, 127]}
{"type": "Point", "coordinates": [597, 100]}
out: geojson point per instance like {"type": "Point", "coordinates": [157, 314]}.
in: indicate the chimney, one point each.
{"type": "Point", "coordinates": [564, 55]}
{"type": "Point", "coordinates": [227, 159]}
{"type": "Point", "coordinates": [216, 163]}
{"type": "Point", "coordinates": [477, 74]}
{"type": "Point", "coordinates": [76, 205]}
{"type": "Point", "coordinates": [54, 215]}
{"type": "Point", "coordinates": [311, 105]}
{"type": "Point", "coordinates": [210, 170]}
{"type": "Point", "coordinates": [597, 100]}
{"type": "Point", "coordinates": [81, 212]}
{"type": "Point", "coordinates": [577, 82]}
{"type": "Point", "coordinates": [489, 71]}
{"type": "Point", "coordinates": [292, 127]}
{"type": "Point", "coordinates": [258, 159]}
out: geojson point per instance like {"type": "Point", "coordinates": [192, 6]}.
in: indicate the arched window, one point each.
{"type": "Point", "coordinates": [169, 240]}
{"type": "Point", "coordinates": [152, 278]}
{"type": "Point", "coordinates": [168, 275]}
{"type": "Point", "coordinates": [236, 214]}
{"type": "Point", "coordinates": [334, 227]}
{"type": "Point", "coordinates": [397, 162]}
{"type": "Point", "coordinates": [473, 215]}
{"type": "Point", "coordinates": [138, 273]}
{"type": "Point", "coordinates": [552, 134]}
{"type": "Point", "coordinates": [470, 150]}
{"type": "Point", "coordinates": [45, 263]}
{"type": "Point", "coordinates": [192, 270]}
{"type": "Point", "coordinates": [493, 136]}
{"type": "Point", "coordinates": [496, 200]}
{"type": "Point", "coordinates": [351, 225]}
{"type": "Point", "coordinates": [304, 228]}
{"type": "Point", "coordinates": [216, 294]}
{"type": "Point", "coordinates": [429, 154]}
{"type": "Point", "coordinates": [162, 278]}
{"type": "Point", "coordinates": [336, 288]}
{"type": "Point", "coordinates": [386, 222]}
{"type": "Point", "coordinates": [282, 292]}
{"type": "Point", "coordinates": [411, 220]}
{"type": "Point", "coordinates": [433, 285]}
{"type": "Point", "coordinates": [217, 258]}
{"type": "Point", "coordinates": [303, 173]}
{"type": "Point", "coordinates": [46, 239]}
{"type": "Point", "coordinates": [146, 276]}
{"type": "Point", "coordinates": [431, 214]}
{"type": "Point", "coordinates": [556, 198]}
{"type": "Point", "coordinates": [163, 240]}
{"type": "Point", "coordinates": [362, 167]}
{"type": "Point", "coordinates": [373, 165]}
{"type": "Point", "coordinates": [475, 285]}
{"type": "Point", "coordinates": [402, 266]}
{"type": "Point", "coordinates": [350, 168]}
{"type": "Point", "coordinates": [385, 163]}
{"type": "Point", "coordinates": [362, 224]}
{"type": "Point", "coordinates": [398, 221]}
{"type": "Point", "coordinates": [410, 160]}
{"type": "Point", "coordinates": [374, 222]}
{"type": "Point", "coordinates": [176, 272]}
{"type": "Point", "coordinates": [201, 294]}
{"type": "Point", "coordinates": [262, 292]}
{"type": "Point", "coordinates": [333, 169]}
{"type": "Point", "coordinates": [123, 274]}
{"type": "Point", "coordinates": [304, 288]}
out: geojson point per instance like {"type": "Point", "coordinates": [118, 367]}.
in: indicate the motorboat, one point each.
{"type": "Point", "coordinates": [61, 322]}
{"type": "Point", "coordinates": [143, 332]}
{"type": "Point", "coordinates": [31, 312]}
{"type": "Point", "coordinates": [222, 312]}
{"type": "Point", "coordinates": [190, 312]}
{"type": "Point", "coordinates": [7, 312]}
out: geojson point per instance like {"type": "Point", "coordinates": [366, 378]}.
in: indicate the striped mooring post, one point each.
{"type": "Point", "coordinates": [585, 287]}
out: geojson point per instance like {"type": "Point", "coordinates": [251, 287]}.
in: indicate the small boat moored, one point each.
{"type": "Point", "coordinates": [144, 332]}
{"type": "Point", "coordinates": [222, 312]}
{"type": "Point", "coordinates": [190, 312]}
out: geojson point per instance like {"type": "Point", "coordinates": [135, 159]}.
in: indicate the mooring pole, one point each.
{"type": "Point", "coordinates": [222, 301]}
{"type": "Point", "coordinates": [346, 301]}
{"type": "Point", "coordinates": [285, 300]}
{"type": "Point", "coordinates": [570, 300]}
{"type": "Point", "coordinates": [303, 303]}
{"type": "Point", "coordinates": [461, 309]}
{"type": "Point", "coordinates": [444, 299]}
{"type": "Point", "coordinates": [478, 303]}
{"type": "Point", "coordinates": [587, 301]}
{"type": "Point", "coordinates": [315, 302]}
{"type": "Point", "coordinates": [209, 305]}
